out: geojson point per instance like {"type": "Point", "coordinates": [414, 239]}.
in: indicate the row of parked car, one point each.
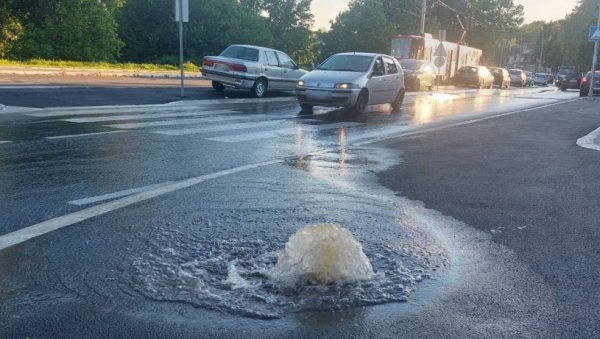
{"type": "Point", "coordinates": [352, 80]}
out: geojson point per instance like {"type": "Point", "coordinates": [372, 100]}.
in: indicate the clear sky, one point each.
{"type": "Point", "coordinates": [545, 10]}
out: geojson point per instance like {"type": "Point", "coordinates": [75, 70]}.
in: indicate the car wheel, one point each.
{"type": "Point", "coordinates": [361, 102]}
{"type": "Point", "coordinates": [306, 107]}
{"type": "Point", "coordinates": [217, 86]}
{"type": "Point", "coordinates": [491, 85]}
{"type": "Point", "coordinates": [260, 88]}
{"type": "Point", "coordinates": [399, 100]}
{"type": "Point", "coordinates": [562, 88]}
{"type": "Point", "coordinates": [582, 93]}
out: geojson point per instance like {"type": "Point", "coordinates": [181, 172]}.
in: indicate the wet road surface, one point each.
{"type": "Point", "coordinates": [153, 204]}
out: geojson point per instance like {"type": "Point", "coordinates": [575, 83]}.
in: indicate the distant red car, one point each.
{"type": "Point", "coordinates": [584, 88]}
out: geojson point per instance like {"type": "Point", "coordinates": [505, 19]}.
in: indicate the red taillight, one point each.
{"type": "Point", "coordinates": [207, 62]}
{"type": "Point", "coordinates": [238, 67]}
{"type": "Point", "coordinates": [584, 80]}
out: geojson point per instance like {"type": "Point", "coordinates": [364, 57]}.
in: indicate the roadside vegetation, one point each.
{"type": "Point", "coordinates": [142, 34]}
{"type": "Point", "coordinates": [130, 66]}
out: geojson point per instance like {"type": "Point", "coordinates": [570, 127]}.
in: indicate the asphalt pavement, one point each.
{"type": "Point", "coordinates": [524, 180]}
{"type": "Point", "coordinates": [521, 179]}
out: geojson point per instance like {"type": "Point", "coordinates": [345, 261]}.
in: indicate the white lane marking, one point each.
{"type": "Point", "coordinates": [144, 116]}
{"type": "Point", "coordinates": [81, 135]}
{"type": "Point", "coordinates": [47, 226]}
{"type": "Point", "coordinates": [4, 141]}
{"type": "Point", "coordinates": [50, 225]}
{"type": "Point", "coordinates": [220, 128]}
{"type": "Point", "coordinates": [281, 132]}
{"type": "Point", "coordinates": [176, 122]}
{"type": "Point", "coordinates": [588, 141]}
{"type": "Point", "coordinates": [109, 196]}
{"type": "Point", "coordinates": [419, 129]}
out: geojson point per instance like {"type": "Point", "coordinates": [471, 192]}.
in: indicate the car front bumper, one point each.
{"type": "Point", "coordinates": [327, 97]}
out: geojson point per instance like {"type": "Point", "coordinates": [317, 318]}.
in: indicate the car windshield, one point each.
{"type": "Point", "coordinates": [241, 52]}
{"type": "Point", "coordinates": [515, 72]}
{"type": "Point", "coordinates": [345, 62]}
{"type": "Point", "coordinates": [410, 64]}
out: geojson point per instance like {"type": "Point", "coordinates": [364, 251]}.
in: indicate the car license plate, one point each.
{"type": "Point", "coordinates": [220, 67]}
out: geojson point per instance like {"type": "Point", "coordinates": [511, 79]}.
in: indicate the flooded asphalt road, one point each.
{"type": "Point", "coordinates": [164, 221]}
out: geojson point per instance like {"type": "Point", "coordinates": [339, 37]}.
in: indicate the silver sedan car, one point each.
{"type": "Point", "coordinates": [252, 67]}
{"type": "Point", "coordinates": [354, 81]}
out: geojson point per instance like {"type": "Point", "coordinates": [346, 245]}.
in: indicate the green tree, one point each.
{"type": "Point", "coordinates": [289, 22]}
{"type": "Point", "coordinates": [363, 27]}
{"type": "Point", "coordinates": [66, 29]}
{"type": "Point", "coordinates": [573, 36]}
{"type": "Point", "coordinates": [151, 34]}
{"type": "Point", "coordinates": [11, 28]}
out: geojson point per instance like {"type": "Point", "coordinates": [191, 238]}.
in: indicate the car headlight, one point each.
{"type": "Point", "coordinates": [301, 83]}
{"type": "Point", "coordinates": [343, 86]}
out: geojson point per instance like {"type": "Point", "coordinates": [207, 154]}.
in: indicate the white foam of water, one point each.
{"type": "Point", "coordinates": [322, 254]}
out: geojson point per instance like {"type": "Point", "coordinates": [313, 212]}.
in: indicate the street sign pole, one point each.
{"type": "Point", "coordinates": [594, 59]}
{"type": "Point", "coordinates": [180, 4]}
{"type": "Point", "coordinates": [181, 16]}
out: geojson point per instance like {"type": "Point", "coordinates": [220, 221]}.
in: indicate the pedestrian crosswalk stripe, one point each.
{"type": "Point", "coordinates": [144, 116]}
{"type": "Point", "coordinates": [81, 135]}
{"type": "Point", "coordinates": [179, 122]}
{"type": "Point", "coordinates": [281, 132]}
{"type": "Point", "coordinates": [220, 128]}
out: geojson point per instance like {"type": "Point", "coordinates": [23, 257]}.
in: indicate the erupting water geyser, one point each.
{"type": "Point", "coordinates": [322, 254]}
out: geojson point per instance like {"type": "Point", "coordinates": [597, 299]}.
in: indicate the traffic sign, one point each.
{"type": "Point", "coordinates": [439, 61]}
{"type": "Point", "coordinates": [594, 34]}
{"type": "Point", "coordinates": [440, 51]}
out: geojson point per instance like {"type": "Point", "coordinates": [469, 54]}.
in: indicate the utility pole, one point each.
{"type": "Point", "coordinates": [594, 59]}
{"type": "Point", "coordinates": [423, 13]}
{"type": "Point", "coordinates": [542, 50]}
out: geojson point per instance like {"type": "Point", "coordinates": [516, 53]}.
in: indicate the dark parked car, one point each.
{"type": "Point", "coordinates": [542, 79]}
{"type": "Point", "coordinates": [478, 76]}
{"type": "Point", "coordinates": [571, 81]}
{"type": "Point", "coordinates": [501, 77]}
{"type": "Point", "coordinates": [585, 84]}
{"type": "Point", "coordinates": [517, 77]}
{"type": "Point", "coordinates": [418, 74]}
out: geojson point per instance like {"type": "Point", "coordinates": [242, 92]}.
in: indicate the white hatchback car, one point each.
{"type": "Point", "coordinates": [353, 80]}
{"type": "Point", "coordinates": [252, 67]}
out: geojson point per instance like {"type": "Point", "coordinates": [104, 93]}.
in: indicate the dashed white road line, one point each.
{"type": "Point", "coordinates": [144, 116]}
{"type": "Point", "coordinates": [5, 141]}
{"type": "Point", "coordinates": [589, 141]}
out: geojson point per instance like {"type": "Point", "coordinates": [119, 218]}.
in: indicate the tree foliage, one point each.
{"type": "Point", "coordinates": [63, 29]}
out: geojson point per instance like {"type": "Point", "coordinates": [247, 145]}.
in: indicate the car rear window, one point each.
{"type": "Point", "coordinates": [241, 52]}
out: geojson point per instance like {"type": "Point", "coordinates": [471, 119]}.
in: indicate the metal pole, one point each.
{"type": "Point", "coordinates": [423, 12]}
{"type": "Point", "coordinates": [594, 60]}
{"type": "Point", "coordinates": [181, 45]}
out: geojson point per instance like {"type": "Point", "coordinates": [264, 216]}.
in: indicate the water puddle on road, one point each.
{"type": "Point", "coordinates": [227, 259]}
